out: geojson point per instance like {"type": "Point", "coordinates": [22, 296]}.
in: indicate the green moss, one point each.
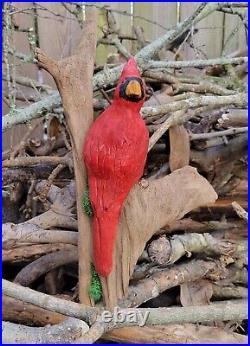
{"type": "Point", "coordinates": [95, 289]}
{"type": "Point", "coordinates": [86, 204]}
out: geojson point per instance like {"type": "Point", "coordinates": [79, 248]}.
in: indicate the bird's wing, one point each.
{"type": "Point", "coordinates": [114, 165]}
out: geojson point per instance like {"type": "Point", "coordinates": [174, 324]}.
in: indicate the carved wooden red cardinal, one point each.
{"type": "Point", "coordinates": [115, 152]}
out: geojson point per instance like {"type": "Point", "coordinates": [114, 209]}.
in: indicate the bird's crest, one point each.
{"type": "Point", "coordinates": [130, 69]}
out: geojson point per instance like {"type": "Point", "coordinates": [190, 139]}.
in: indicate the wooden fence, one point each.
{"type": "Point", "coordinates": [219, 34]}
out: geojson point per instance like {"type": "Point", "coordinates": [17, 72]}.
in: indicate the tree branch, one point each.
{"type": "Point", "coordinates": [65, 332]}
{"type": "Point", "coordinates": [48, 302]}
{"type": "Point", "coordinates": [220, 311]}
{"type": "Point", "coordinates": [31, 233]}
{"type": "Point", "coordinates": [195, 63]}
{"type": "Point", "coordinates": [104, 78]}
{"type": "Point", "coordinates": [45, 264]}
{"type": "Point", "coordinates": [202, 136]}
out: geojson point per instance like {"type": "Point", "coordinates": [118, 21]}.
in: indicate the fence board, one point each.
{"type": "Point", "coordinates": [162, 13]}
{"type": "Point", "coordinates": [123, 22]}
{"type": "Point", "coordinates": [209, 37]}
{"type": "Point", "coordinates": [242, 42]}
{"type": "Point", "coordinates": [58, 36]}
{"type": "Point", "coordinates": [13, 136]}
{"type": "Point", "coordinates": [145, 10]}
{"type": "Point", "coordinates": [231, 34]}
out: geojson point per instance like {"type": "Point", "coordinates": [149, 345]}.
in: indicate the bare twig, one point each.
{"type": "Point", "coordinates": [65, 332]}
{"type": "Point", "coordinates": [45, 264]}
{"type": "Point", "coordinates": [33, 111]}
{"type": "Point", "coordinates": [31, 83]}
{"type": "Point", "coordinates": [31, 252]}
{"type": "Point", "coordinates": [167, 251]}
{"type": "Point", "coordinates": [196, 63]}
{"type": "Point", "coordinates": [233, 131]}
{"type": "Point", "coordinates": [31, 233]}
{"type": "Point", "coordinates": [234, 117]}
{"type": "Point", "coordinates": [222, 311]}
{"type": "Point", "coordinates": [107, 77]}
{"type": "Point", "coordinates": [238, 100]}
{"type": "Point", "coordinates": [48, 302]}
{"type": "Point", "coordinates": [240, 211]}
{"type": "Point", "coordinates": [174, 334]}
{"type": "Point", "coordinates": [36, 160]}
{"type": "Point", "coordinates": [164, 279]}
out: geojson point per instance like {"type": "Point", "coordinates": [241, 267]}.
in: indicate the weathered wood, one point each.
{"type": "Point", "coordinates": [146, 210]}
{"type": "Point", "coordinates": [179, 147]}
{"type": "Point", "coordinates": [29, 253]}
{"type": "Point", "coordinates": [65, 332]}
{"type": "Point", "coordinates": [209, 37]}
{"type": "Point", "coordinates": [64, 35]}
{"type": "Point", "coordinates": [73, 77]}
{"type": "Point", "coordinates": [45, 264]}
{"type": "Point", "coordinates": [174, 334]}
{"type": "Point", "coordinates": [13, 136]}
{"type": "Point", "coordinates": [15, 310]}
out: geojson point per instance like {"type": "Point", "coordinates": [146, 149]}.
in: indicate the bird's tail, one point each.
{"type": "Point", "coordinates": [105, 228]}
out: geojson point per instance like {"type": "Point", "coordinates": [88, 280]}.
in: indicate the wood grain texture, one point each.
{"type": "Point", "coordinates": [73, 77]}
{"type": "Point", "coordinates": [179, 147]}
{"type": "Point", "coordinates": [174, 334]}
{"type": "Point", "coordinates": [146, 210]}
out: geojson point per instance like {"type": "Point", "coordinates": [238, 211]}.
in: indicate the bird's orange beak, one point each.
{"type": "Point", "coordinates": [133, 89]}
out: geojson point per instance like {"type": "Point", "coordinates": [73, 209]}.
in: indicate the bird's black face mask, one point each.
{"type": "Point", "coordinates": [132, 89]}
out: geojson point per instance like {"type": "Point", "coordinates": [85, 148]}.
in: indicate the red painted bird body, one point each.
{"type": "Point", "coordinates": [115, 152]}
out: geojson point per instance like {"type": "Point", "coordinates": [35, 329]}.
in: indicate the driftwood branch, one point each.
{"type": "Point", "coordinates": [33, 111]}
{"type": "Point", "coordinates": [221, 311]}
{"type": "Point", "coordinates": [26, 313]}
{"type": "Point", "coordinates": [234, 117]}
{"type": "Point", "coordinates": [48, 302]}
{"type": "Point", "coordinates": [196, 63]}
{"type": "Point", "coordinates": [22, 312]}
{"type": "Point", "coordinates": [229, 132]}
{"type": "Point", "coordinates": [73, 77]}
{"type": "Point", "coordinates": [164, 279]}
{"type": "Point", "coordinates": [31, 233]}
{"type": "Point", "coordinates": [181, 191]}
{"type": "Point", "coordinates": [174, 334]}
{"type": "Point", "coordinates": [239, 100]}
{"type": "Point", "coordinates": [45, 264]}
{"type": "Point", "coordinates": [66, 332]}
{"type": "Point", "coordinates": [29, 161]}
{"type": "Point", "coordinates": [31, 252]}
{"type": "Point", "coordinates": [168, 251]}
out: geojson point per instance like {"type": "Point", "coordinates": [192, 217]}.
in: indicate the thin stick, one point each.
{"type": "Point", "coordinates": [36, 160]}
{"type": "Point", "coordinates": [234, 310]}
{"type": "Point", "coordinates": [238, 99]}
{"type": "Point", "coordinates": [240, 211]}
{"type": "Point", "coordinates": [234, 131]}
